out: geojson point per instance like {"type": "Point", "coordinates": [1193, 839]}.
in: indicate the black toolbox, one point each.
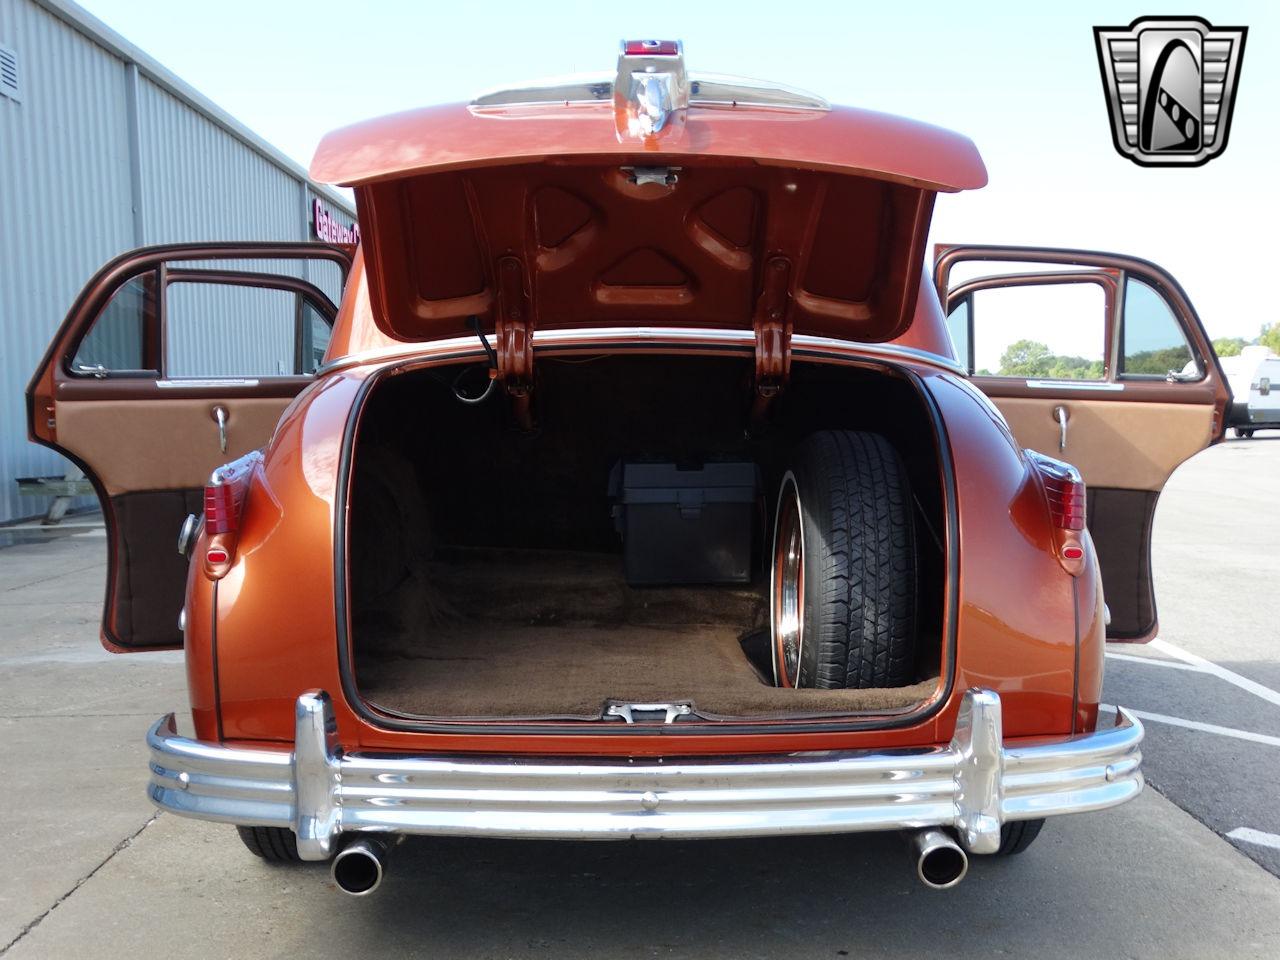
{"type": "Point", "coordinates": [691, 525]}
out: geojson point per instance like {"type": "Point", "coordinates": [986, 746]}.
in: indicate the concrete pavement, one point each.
{"type": "Point", "coordinates": [1216, 553]}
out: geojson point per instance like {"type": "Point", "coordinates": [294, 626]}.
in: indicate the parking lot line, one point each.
{"type": "Point", "coordinates": [1259, 837]}
{"type": "Point", "coordinates": [1202, 727]}
{"type": "Point", "coordinates": [1175, 664]}
{"type": "Point", "coordinates": [1208, 666]}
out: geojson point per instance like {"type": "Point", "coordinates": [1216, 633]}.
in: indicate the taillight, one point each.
{"type": "Point", "coordinates": [221, 508]}
{"type": "Point", "coordinates": [1064, 494]}
{"type": "Point", "coordinates": [223, 504]}
{"type": "Point", "coordinates": [1064, 490]}
{"type": "Point", "coordinates": [651, 48]}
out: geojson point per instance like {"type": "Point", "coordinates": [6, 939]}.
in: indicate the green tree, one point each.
{"type": "Point", "coordinates": [1162, 361]}
{"type": "Point", "coordinates": [1025, 358]}
{"type": "Point", "coordinates": [1270, 336]}
{"type": "Point", "coordinates": [1229, 346]}
{"type": "Point", "coordinates": [1031, 358]}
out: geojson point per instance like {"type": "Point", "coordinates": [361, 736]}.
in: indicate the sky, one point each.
{"type": "Point", "coordinates": [1020, 79]}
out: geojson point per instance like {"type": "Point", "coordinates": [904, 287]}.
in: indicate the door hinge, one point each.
{"type": "Point", "coordinates": [773, 333]}
{"type": "Point", "coordinates": [514, 333]}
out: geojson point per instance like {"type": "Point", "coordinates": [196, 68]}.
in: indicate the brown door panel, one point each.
{"type": "Point", "coordinates": [163, 444]}
{"type": "Point", "coordinates": [1125, 450]}
{"type": "Point", "coordinates": [151, 460]}
{"type": "Point", "coordinates": [1120, 524]}
{"type": "Point", "coordinates": [145, 596]}
{"type": "Point", "coordinates": [1127, 444]}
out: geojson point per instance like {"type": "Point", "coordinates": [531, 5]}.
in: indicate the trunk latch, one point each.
{"type": "Point", "coordinates": [629, 711]}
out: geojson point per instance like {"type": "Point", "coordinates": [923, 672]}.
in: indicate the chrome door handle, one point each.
{"type": "Point", "coordinates": [220, 415]}
{"type": "Point", "coordinates": [1061, 416]}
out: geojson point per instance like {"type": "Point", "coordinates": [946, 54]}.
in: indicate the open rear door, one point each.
{"type": "Point", "coordinates": [1100, 360]}
{"type": "Point", "coordinates": [172, 361]}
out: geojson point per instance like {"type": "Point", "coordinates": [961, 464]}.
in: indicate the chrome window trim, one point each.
{"type": "Point", "coordinates": [1072, 384]}
{"type": "Point", "coordinates": [201, 383]}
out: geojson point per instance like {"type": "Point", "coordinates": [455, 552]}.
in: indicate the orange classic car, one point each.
{"type": "Point", "coordinates": [634, 478]}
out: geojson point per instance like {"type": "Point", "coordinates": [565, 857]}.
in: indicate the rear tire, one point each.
{"type": "Point", "coordinates": [844, 573]}
{"type": "Point", "coordinates": [274, 844]}
{"type": "Point", "coordinates": [1017, 836]}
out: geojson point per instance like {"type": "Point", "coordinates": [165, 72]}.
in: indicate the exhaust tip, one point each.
{"type": "Point", "coordinates": [940, 861]}
{"type": "Point", "coordinates": [358, 867]}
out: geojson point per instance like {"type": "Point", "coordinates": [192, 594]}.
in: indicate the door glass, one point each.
{"type": "Point", "coordinates": [1153, 342]}
{"type": "Point", "coordinates": [958, 327]}
{"type": "Point", "coordinates": [314, 338]}
{"type": "Point", "coordinates": [229, 330]}
{"type": "Point", "coordinates": [1049, 331]}
{"type": "Point", "coordinates": [115, 341]}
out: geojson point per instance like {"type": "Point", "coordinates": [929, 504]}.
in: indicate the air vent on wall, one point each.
{"type": "Point", "coordinates": [9, 86]}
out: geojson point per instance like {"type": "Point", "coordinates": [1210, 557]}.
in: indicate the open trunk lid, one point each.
{"type": "Point", "coordinates": [660, 199]}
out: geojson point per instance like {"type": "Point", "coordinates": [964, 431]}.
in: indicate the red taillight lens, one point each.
{"type": "Point", "coordinates": [223, 503]}
{"type": "Point", "coordinates": [651, 48]}
{"type": "Point", "coordinates": [224, 497]}
{"type": "Point", "coordinates": [221, 509]}
{"type": "Point", "coordinates": [1063, 489]}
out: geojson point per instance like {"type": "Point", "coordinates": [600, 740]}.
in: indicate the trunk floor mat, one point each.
{"type": "Point", "coordinates": [485, 669]}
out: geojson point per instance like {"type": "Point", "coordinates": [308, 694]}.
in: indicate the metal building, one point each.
{"type": "Point", "coordinates": [101, 150]}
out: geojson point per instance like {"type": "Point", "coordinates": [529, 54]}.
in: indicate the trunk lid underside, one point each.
{"type": "Point", "coordinates": [668, 241]}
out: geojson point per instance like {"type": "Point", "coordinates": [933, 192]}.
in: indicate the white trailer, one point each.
{"type": "Point", "coordinates": [1254, 376]}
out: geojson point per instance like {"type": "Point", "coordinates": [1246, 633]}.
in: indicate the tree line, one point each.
{"type": "Point", "coordinates": [1031, 358]}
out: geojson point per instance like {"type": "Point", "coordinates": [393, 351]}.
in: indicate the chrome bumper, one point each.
{"type": "Point", "coordinates": [973, 785]}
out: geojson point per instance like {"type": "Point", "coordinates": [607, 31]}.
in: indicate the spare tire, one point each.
{"type": "Point", "coordinates": [844, 572]}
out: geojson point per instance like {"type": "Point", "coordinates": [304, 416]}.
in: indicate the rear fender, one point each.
{"type": "Point", "coordinates": [1017, 621]}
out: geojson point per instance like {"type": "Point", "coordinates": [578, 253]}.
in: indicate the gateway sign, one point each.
{"type": "Point", "coordinates": [330, 229]}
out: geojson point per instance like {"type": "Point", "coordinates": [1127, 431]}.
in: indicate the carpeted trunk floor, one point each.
{"type": "Point", "coordinates": [557, 635]}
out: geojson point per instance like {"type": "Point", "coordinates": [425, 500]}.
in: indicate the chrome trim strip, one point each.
{"type": "Point", "coordinates": [805, 341]}
{"type": "Point", "coordinates": [705, 90]}
{"type": "Point", "coordinates": [972, 785]}
{"type": "Point", "coordinates": [1074, 385]}
{"type": "Point", "coordinates": [205, 383]}
{"type": "Point", "coordinates": [648, 335]}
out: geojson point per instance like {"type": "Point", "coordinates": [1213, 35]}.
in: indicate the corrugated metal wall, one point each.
{"type": "Point", "coordinates": [70, 199]}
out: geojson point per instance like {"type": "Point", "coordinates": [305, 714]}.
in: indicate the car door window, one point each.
{"type": "Point", "coordinates": [958, 328]}
{"type": "Point", "coordinates": [1153, 345]}
{"type": "Point", "coordinates": [1048, 331]}
{"type": "Point", "coordinates": [116, 341]}
{"type": "Point", "coordinates": [228, 330]}
{"type": "Point", "coordinates": [313, 340]}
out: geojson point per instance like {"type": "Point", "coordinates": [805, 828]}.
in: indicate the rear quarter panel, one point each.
{"type": "Point", "coordinates": [1017, 622]}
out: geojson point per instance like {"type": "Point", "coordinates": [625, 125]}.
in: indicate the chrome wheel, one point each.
{"type": "Point", "coordinates": [787, 587]}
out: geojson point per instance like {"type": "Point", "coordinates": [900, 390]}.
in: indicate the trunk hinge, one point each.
{"type": "Point", "coordinates": [773, 334]}
{"type": "Point", "coordinates": [514, 333]}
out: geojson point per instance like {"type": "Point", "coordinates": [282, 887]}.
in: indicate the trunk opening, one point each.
{"type": "Point", "coordinates": [487, 576]}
